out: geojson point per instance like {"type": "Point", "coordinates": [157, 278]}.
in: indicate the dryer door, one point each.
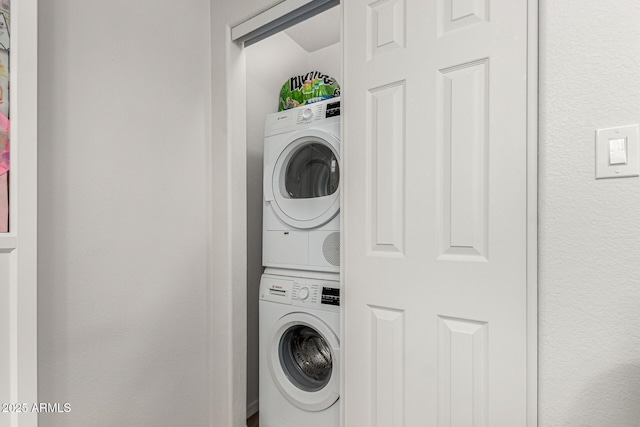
{"type": "Point", "coordinates": [304, 358]}
{"type": "Point", "coordinates": [306, 178]}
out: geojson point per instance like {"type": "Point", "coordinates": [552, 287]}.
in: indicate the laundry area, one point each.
{"type": "Point", "coordinates": [293, 224]}
{"type": "Point", "coordinates": [136, 287]}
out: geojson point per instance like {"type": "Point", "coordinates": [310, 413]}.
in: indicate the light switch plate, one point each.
{"type": "Point", "coordinates": [608, 141]}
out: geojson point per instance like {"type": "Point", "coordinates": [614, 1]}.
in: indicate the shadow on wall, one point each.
{"type": "Point", "coordinates": [610, 399]}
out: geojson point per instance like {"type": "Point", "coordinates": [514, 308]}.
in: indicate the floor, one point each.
{"type": "Point", "coordinates": [253, 420]}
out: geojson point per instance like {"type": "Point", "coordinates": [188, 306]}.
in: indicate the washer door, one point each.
{"type": "Point", "coordinates": [306, 178]}
{"type": "Point", "coordinates": [304, 358]}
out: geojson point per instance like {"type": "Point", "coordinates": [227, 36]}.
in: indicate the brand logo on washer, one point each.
{"type": "Point", "coordinates": [282, 117]}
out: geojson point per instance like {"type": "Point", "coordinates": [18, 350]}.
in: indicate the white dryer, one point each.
{"type": "Point", "coordinates": [299, 350]}
{"type": "Point", "coordinates": [301, 221]}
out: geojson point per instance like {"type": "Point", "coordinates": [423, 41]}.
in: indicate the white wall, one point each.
{"type": "Point", "coordinates": [328, 60]}
{"type": "Point", "coordinates": [269, 64]}
{"type": "Point", "coordinates": [124, 213]}
{"type": "Point", "coordinates": [589, 283]}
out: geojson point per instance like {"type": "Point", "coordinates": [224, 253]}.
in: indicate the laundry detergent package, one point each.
{"type": "Point", "coordinates": [4, 170]}
{"type": "Point", "coordinates": [4, 204]}
{"type": "Point", "coordinates": [5, 157]}
{"type": "Point", "coordinates": [306, 89]}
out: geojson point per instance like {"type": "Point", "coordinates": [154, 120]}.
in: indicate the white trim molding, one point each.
{"type": "Point", "coordinates": [19, 327]}
{"type": "Point", "coordinates": [532, 215]}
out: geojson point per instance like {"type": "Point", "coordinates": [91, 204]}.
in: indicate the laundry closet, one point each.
{"type": "Point", "coordinates": [312, 45]}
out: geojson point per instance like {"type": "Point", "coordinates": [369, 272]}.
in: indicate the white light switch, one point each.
{"type": "Point", "coordinates": [618, 152]}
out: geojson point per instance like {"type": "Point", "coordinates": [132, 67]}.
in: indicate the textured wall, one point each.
{"type": "Point", "coordinates": [123, 212]}
{"type": "Point", "coordinates": [589, 230]}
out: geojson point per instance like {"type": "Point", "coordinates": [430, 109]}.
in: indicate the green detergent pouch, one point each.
{"type": "Point", "coordinates": [306, 89]}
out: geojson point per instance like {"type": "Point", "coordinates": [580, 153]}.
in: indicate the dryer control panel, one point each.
{"type": "Point", "coordinates": [302, 292]}
{"type": "Point", "coordinates": [309, 113]}
{"type": "Point", "coordinates": [312, 115]}
{"type": "Point", "coordinates": [333, 109]}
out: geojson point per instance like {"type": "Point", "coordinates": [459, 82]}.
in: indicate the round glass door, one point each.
{"type": "Point", "coordinates": [312, 171]}
{"type": "Point", "coordinates": [306, 180]}
{"type": "Point", "coordinates": [305, 358]}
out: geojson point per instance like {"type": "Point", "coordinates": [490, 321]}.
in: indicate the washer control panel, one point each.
{"type": "Point", "coordinates": [322, 294]}
{"type": "Point", "coordinates": [306, 293]}
{"type": "Point", "coordinates": [302, 292]}
{"type": "Point", "coordinates": [330, 296]}
{"type": "Point", "coordinates": [276, 290]}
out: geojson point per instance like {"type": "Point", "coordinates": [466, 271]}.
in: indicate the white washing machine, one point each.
{"type": "Point", "coordinates": [301, 221]}
{"type": "Point", "coordinates": [299, 350]}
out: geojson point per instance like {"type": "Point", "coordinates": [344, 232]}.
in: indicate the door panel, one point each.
{"type": "Point", "coordinates": [385, 160]}
{"type": "Point", "coordinates": [462, 140]}
{"type": "Point", "coordinates": [435, 278]}
{"type": "Point", "coordinates": [387, 366]}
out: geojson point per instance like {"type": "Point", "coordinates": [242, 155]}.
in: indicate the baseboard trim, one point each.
{"type": "Point", "coordinates": [252, 408]}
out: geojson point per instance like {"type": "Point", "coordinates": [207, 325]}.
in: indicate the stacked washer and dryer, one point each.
{"type": "Point", "coordinates": [300, 288]}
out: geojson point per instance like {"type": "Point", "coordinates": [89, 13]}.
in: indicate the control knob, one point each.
{"type": "Point", "coordinates": [303, 293]}
{"type": "Point", "coordinates": [307, 114]}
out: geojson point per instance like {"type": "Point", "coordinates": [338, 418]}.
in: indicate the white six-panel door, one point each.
{"type": "Point", "coordinates": [435, 213]}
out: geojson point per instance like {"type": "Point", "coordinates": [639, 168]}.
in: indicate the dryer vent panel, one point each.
{"type": "Point", "coordinates": [331, 248]}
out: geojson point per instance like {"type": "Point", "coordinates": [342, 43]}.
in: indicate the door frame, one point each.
{"type": "Point", "coordinates": [532, 212]}
{"type": "Point", "coordinates": [228, 172]}
{"type": "Point", "coordinates": [18, 359]}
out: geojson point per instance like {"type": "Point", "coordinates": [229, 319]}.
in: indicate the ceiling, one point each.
{"type": "Point", "coordinates": [320, 31]}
